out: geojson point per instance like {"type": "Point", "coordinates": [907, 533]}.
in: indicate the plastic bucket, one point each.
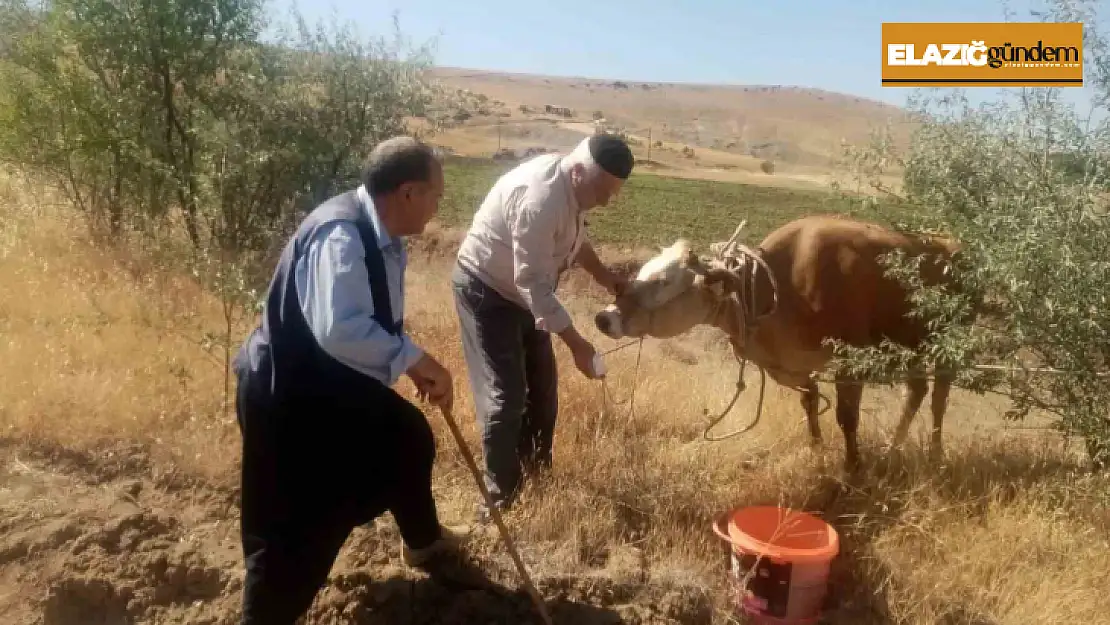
{"type": "Point", "coordinates": [779, 562]}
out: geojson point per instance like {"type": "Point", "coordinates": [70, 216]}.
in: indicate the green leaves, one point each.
{"type": "Point", "coordinates": [1021, 183]}
{"type": "Point", "coordinates": [144, 110]}
{"type": "Point", "coordinates": [174, 115]}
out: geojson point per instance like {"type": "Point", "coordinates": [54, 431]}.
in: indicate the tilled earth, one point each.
{"type": "Point", "coordinates": [113, 538]}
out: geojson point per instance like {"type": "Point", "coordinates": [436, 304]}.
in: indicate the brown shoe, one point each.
{"type": "Point", "coordinates": [450, 540]}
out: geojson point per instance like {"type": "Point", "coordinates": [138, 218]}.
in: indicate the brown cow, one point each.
{"type": "Point", "coordinates": [830, 285]}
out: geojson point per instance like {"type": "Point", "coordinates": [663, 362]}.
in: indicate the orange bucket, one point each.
{"type": "Point", "coordinates": [779, 561]}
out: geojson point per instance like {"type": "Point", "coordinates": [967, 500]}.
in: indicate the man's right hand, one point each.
{"type": "Point", "coordinates": [432, 381]}
{"type": "Point", "coordinates": [582, 351]}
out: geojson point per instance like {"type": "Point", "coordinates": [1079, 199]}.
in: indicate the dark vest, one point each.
{"type": "Point", "coordinates": [281, 359]}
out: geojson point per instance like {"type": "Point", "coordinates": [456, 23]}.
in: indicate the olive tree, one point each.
{"type": "Point", "coordinates": [164, 112]}
{"type": "Point", "coordinates": [1023, 183]}
{"type": "Point", "coordinates": [144, 109]}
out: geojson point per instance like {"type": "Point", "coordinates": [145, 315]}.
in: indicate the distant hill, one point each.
{"type": "Point", "coordinates": [707, 128]}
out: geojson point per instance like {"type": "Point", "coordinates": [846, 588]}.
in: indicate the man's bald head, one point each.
{"type": "Point", "coordinates": [404, 178]}
{"type": "Point", "coordinates": [397, 161]}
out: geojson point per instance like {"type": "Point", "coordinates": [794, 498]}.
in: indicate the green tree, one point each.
{"type": "Point", "coordinates": [1024, 184]}
{"type": "Point", "coordinates": [138, 108]}
{"type": "Point", "coordinates": [110, 98]}
{"type": "Point", "coordinates": [302, 131]}
{"type": "Point", "coordinates": [148, 113]}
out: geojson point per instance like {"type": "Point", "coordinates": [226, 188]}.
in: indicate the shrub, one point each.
{"type": "Point", "coordinates": [1023, 183]}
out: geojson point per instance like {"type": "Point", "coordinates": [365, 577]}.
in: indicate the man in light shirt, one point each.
{"type": "Point", "coordinates": [527, 232]}
{"type": "Point", "coordinates": [327, 443]}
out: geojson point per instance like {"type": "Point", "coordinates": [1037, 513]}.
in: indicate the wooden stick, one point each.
{"type": "Point", "coordinates": [536, 598]}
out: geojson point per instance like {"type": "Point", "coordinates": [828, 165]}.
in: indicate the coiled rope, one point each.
{"type": "Point", "coordinates": [737, 259]}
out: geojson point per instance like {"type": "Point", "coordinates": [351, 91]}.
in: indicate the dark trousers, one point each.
{"type": "Point", "coordinates": [514, 381]}
{"type": "Point", "coordinates": [311, 472]}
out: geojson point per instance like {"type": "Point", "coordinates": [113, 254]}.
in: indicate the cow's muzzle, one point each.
{"type": "Point", "coordinates": [608, 322]}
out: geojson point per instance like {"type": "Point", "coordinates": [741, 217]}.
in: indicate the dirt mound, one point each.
{"type": "Point", "coordinates": [357, 598]}
{"type": "Point", "coordinates": [108, 537]}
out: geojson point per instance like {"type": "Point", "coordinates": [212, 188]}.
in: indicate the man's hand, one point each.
{"type": "Point", "coordinates": [582, 351]}
{"type": "Point", "coordinates": [611, 281]}
{"type": "Point", "coordinates": [433, 382]}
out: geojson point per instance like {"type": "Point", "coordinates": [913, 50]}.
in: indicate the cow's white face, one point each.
{"type": "Point", "coordinates": [667, 298]}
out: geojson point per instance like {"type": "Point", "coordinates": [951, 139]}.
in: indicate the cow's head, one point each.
{"type": "Point", "coordinates": [672, 292]}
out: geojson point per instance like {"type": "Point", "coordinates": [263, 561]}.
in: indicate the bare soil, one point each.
{"type": "Point", "coordinates": [111, 537]}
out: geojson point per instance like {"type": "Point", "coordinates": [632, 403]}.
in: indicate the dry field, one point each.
{"type": "Point", "coordinates": [118, 465]}
{"type": "Point", "coordinates": [731, 130]}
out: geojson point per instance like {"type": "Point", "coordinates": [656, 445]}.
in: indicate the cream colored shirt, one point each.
{"type": "Point", "coordinates": [525, 235]}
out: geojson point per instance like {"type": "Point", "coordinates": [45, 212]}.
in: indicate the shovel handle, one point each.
{"type": "Point", "coordinates": [496, 514]}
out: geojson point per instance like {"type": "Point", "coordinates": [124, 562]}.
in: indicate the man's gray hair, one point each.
{"type": "Point", "coordinates": [580, 155]}
{"type": "Point", "coordinates": [398, 160]}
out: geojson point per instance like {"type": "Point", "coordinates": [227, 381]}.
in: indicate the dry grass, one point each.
{"type": "Point", "coordinates": [99, 344]}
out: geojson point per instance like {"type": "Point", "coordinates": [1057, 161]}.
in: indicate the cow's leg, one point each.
{"type": "Point", "coordinates": [916, 388]}
{"type": "Point", "coordinates": [811, 398]}
{"type": "Point", "coordinates": [941, 387]}
{"type": "Point", "coordinates": [848, 394]}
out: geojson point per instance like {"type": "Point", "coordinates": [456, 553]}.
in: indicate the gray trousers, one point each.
{"type": "Point", "coordinates": [514, 381]}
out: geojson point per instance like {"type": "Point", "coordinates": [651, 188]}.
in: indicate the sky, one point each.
{"type": "Point", "coordinates": [810, 43]}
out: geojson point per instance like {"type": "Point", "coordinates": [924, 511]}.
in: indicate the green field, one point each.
{"type": "Point", "coordinates": [655, 210]}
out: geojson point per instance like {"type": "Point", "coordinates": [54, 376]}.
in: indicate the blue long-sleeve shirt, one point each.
{"type": "Point", "coordinates": [334, 293]}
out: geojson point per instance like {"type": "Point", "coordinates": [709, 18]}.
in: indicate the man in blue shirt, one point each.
{"type": "Point", "coordinates": [327, 443]}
